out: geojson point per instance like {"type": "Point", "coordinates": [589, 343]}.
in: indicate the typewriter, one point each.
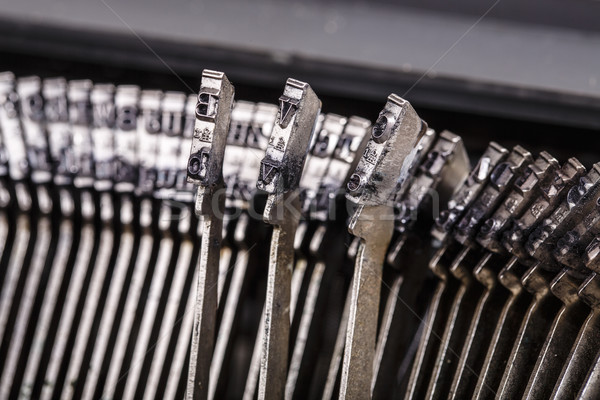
{"type": "Point", "coordinates": [202, 221]}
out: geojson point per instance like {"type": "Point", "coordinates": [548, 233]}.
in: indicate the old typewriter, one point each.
{"type": "Point", "coordinates": [207, 222]}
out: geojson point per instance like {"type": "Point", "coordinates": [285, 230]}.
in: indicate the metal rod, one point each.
{"type": "Point", "coordinates": [537, 280]}
{"type": "Point", "coordinates": [384, 164]}
{"type": "Point", "coordinates": [489, 235]}
{"type": "Point", "coordinates": [205, 168]}
{"type": "Point", "coordinates": [462, 201]}
{"type": "Point", "coordinates": [514, 308]}
{"type": "Point", "coordinates": [583, 353]}
{"type": "Point", "coordinates": [279, 177]}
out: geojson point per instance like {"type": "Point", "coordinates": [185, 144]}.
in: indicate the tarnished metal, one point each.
{"type": "Point", "coordinates": [126, 108]}
{"type": "Point", "coordinates": [384, 164]}
{"type": "Point", "coordinates": [445, 167]}
{"type": "Point", "coordinates": [590, 391]}
{"type": "Point", "coordinates": [348, 147]}
{"type": "Point", "coordinates": [70, 383]}
{"type": "Point", "coordinates": [306, 273]}
{"type": "Point", "coordinates": [33, 121]}
{"type": "Point", "coordinates": [572, 315]}
{"type": "Point", "coordinates": [23, 297]}
{"type": "Point", "coordinates": [51, 295]}
{"type": "Point", "coordinates": [484, 312]}
{"type": "Point", "coordinates": [122, 279]}
{"type": "Point", "coordinates": [58, 128]}
{"type": "Point", "coordinates": [579, 375]}
{"type": "Point", "coordinates": [250, 128]}
{"type": "Point", "coordinates": [455, 295]}
{"type": "Point", "coordinates": [513, 309]}
{"type": "Point", "coordinates": [468, 191]}
{"type": "Point", "coordinates": [557, 352]}
{"type": "Point", "coordinates": [112, 287]}
{"type": "Point", "coordinates": [168, 293]}
{"type": "Point", "coordinates": [535, 175]}
{"type": "Point", "coordinates": [279, 176]}
{"type": "Point", "coordinates": [79, 116]}
{"type": "Point", "coordinates": [147, 266]}
{"type": "Point", "coordinates": [16, 171]}
{"type": "Point", "coordinates": [468, 293]}
{"type": "Point", "coordinates": [103, 120]}
{"type": "Point", "coordinates": [326, 250]}
{"type": "Point", "coordinates": [10, 124]}
{"type": "Point", "coordinates": [205, 168]}
{"type": "Point", "coordinates": [537, 280]}
{"type": "Point", "coordinates": [257, 141]}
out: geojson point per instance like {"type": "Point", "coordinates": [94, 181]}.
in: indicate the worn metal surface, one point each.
{"type": "Point", "coordinates": [456, 295]}
{"type": "Point", "coordinates": [444, 167]}
{"type": "Point", "coordinates": [279, 176]}
{"type": "Point", "coordinates": [487, 297]}
{"type": "Point", "coordinates": [205, 168]}
{"type": "Point", "coordinates": [101, 252]}
{"type": "Point", "coordinates": [383, 166]}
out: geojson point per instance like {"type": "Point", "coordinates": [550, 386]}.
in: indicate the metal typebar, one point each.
{"type": "Point", "coordinates": [467, 293]}
{"type": "Point", "coordinates": [569, 252]}
{"type": "Point", "coordinates": [486, 310]}
{"type": "Point", "coordinates": [582, 355]}
{"type": "Point", "coordinates": [537, 280]}
{"type": "Point", "coordinates": [513, 309]}
{"type": "Point", "coordinates": [481, 192]}
{"type": "Point", "coordinates": [280, 176]}
{"type": "Point", "coordinates": [248, 138]}
{"type": "Point", "coordinates": [326, 248]}
{"type": "Point", "coordinates": [205, 168]}
{"type": "Point", "coordinates": [373, 184]}
{"type": "Point", "coordinates": [444, 167]}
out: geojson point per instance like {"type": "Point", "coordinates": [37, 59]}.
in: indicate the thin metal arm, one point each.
{"type": "Point", "coordinates": [205, 311]}
{"type": "Point", "coordinates": [361, 331]}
